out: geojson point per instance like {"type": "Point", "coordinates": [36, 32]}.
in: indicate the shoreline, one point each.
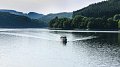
{"type": "Point", "coordinates": [68, 31]}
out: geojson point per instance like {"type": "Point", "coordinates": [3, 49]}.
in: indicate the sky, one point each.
{"type": "Point", "coordinates": [45, 6]}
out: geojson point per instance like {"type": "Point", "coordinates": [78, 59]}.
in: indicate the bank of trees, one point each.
{"type": "Point", "coordinates": [102, 15]}
{"type": "Point", "coordinates": [64, 23]}
{"type": "Point", "coordinates": [81, 22]}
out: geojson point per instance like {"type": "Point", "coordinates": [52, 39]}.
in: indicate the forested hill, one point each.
{"type": "Point", "coordinates": [104, 15]}
{"type": "Point", "coordinates": [107, 8]}
{"type": "Point", "coordinates": [34, 15]}
{"type": "Point", "coordinates": [49, 17]}
{"type": "Point", "coordinates": [8, 20]}
{"type": "Point", "coordinates": [13, 18]}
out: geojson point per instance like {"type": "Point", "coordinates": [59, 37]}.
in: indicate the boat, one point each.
{"type": "Point", "coordinates": [63, 39]}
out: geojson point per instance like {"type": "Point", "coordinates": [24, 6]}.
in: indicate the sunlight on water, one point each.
{"type": "Point", "coordinates": [46, 37]}
{"type": "Point", "coordinates": [43, 48]}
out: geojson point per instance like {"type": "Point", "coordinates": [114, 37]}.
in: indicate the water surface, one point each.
{"type": "Point", "coordinates": [43, 48]}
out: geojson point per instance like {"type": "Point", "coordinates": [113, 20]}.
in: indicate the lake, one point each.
{"type": "Point", "coordinates": [43, 48]}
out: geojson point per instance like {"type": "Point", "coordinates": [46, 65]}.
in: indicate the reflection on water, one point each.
{"type": "Point", "coordinates": [44, 48]}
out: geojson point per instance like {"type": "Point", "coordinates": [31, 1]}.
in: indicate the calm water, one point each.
{"type": "Point", "coordinates": [43, 48]}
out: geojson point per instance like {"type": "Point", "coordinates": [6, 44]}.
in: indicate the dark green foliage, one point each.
{"type": "Point", "coordinates": [49, 17]}
{"type": "Point", "coordinates": [84, 23]}
{"type": "Point", "coordinates": [77, 20]}
{"type": "Point", "coordinates": [112, 24]}
{"type": "Point", "coordinates": [8, 20]}
{"type": "Point", "coordinates": [113, 1]}
{"type": "Point", "coordinates": [101, 9]}
{"type": "Point", "coordinates": [81, 22]}
{"type": "Point", "coordinates": [94, 23]}
{"type": "Point", "coordinates": [117, 17]}
{"type": "Point", "coordinates": [119, 24]}
{"type": "Point", "coordinates": [102, 15]}
{"type": "Point", "coordinates": [102, 23]}
{"type": "Point", "coordinates": [53, 21]}
{"type": "Point", "coordinates": [64, 23]}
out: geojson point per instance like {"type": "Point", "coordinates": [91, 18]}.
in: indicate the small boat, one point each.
{"type": "Point", "coordinates": [63, 39]}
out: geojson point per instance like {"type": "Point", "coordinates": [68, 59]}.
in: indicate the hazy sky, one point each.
{"type": "Point", "coordinates": [45, 6]}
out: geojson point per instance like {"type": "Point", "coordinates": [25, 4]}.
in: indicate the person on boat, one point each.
{"type": "Point", "coordinates": [64, 39]}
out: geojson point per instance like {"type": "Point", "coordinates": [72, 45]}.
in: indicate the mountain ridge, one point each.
{"type": "Point", "coordinates": [101, 9]}
{"type": "Point", "coordinates": [49, 17]}
{"type": "Point", "coordinates": [13, 17]}
{"type": "Point", "coordinates": [8, 20]}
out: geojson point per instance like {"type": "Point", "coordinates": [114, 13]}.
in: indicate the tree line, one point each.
{"type": "Point", "coordinates": [101, 15]}
{"type": "Point", "coordinates": [81, 22]}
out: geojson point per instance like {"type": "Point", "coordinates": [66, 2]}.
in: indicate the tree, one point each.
{"type": "Point", "coordinates": [91, 24]}
{"type": "Point", "coordinates": [64, 23]}
{"type": "Point", "coordinates": [77, 21]}
{"type": "Point", "coordinates": [51, 23]}
{"type": "Point", "coordinates": [112, 24]}
{"type": "Point", "coordinates": [96, 23]}
{"type": "Point", "coordinates": [119, 24]}
{"type": "Point", "coordinates": [67, 24]}
{"type": "Point", "coordinates": [117, 17]}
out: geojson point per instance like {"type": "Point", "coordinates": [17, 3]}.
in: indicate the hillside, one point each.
{"type": "Point", "coordinates": [41, 18]}
{"type": "Point", "coordinates": [103, 15]}
{"type": "Point", "coordinates": [102, 9]}
{"type": "Point", "coordinates": [8, 20]}
{"type": "Point", "coordinates": [49, 17]}
{"type": "Point", "coordinates": [34, 15]}
{"type": "Point", "coordinates": [12, 12]}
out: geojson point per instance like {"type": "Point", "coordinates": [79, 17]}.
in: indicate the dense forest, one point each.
{"type": "Point", "coordinates": [102, 9]}
{"type": "Point", "coordinates": [81, 22]}
{"type": "Point", "coordinates": [8, 20]}
{"type": "Point", "coordinates": [102, 15]}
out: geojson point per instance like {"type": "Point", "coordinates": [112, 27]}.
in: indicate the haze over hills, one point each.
{"type": "Point", "coordinates": [12, 18]}
{"type": "Point", "coordinates": [49, 17]}
{"type": "Point", "coordinates": [8, 20]}
{"type": "Point", "coordinates": [101, 15]}
{"type": "Point", "coordinates": [12, 12]}
{"type": "Point", "coordinates": [34, 15]}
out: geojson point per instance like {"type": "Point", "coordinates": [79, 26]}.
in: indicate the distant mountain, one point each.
{"type": "Point", "coordinates": [12, 12]}
{"type": "Point", "coordinates": [107, 8]}
{"type": "Point", "coordinates": [43, 19]}
{"type": "Point", "coordinates": [34, 15]}
{"type": "Point", "coordinates": [8, 20]}
{"type": "Point", "coordinates": [49, 17]}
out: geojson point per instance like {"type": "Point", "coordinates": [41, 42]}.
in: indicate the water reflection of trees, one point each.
{"type": "Point", "coordinates": [102, 38]}
{"type": "Point", "coordinates": [109, 38]}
